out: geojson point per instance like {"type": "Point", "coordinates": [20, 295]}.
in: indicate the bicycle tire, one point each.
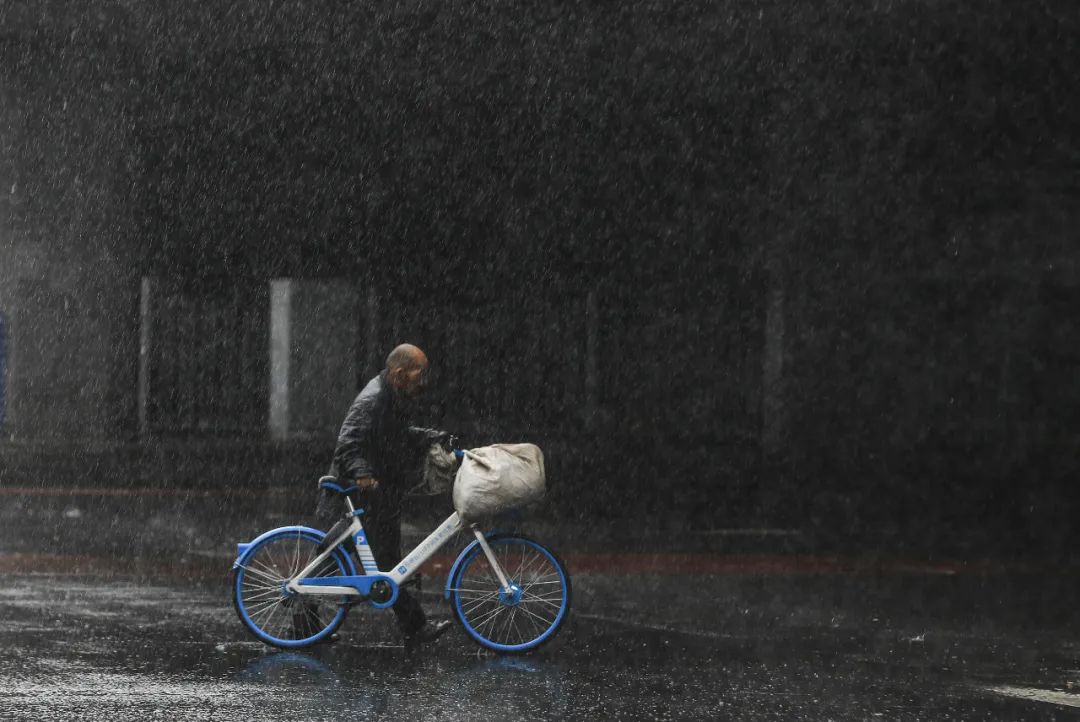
{"type": "Point", "coordinates": [265, 608]}
{"type": "Point", "coordinates": [488, 616]}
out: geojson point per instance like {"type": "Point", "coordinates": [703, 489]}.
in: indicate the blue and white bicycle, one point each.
{"type": "Point", "coordinates": [293, 586]}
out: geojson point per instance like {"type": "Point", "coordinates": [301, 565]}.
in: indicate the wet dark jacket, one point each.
{"type": "Point", "coordinates": [377, 439]}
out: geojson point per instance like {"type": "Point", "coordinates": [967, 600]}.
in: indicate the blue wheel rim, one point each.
{"type": "Point", "coordinates": [344, 567]}
{"type": "Point", "coordinates": [558, 570]}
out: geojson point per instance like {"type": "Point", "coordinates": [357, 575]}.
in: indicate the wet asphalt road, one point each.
{"type": "Point", "coordinates": [103, 630]}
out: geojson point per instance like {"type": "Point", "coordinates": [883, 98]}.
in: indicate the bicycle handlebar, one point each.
{"type": "Point", "coordinates": [337, 487]}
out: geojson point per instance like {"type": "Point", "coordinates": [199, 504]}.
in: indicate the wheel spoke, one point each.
{"type": "Point", "coordinates": [257, 582]}
{"type": "Point", "coordinates": [489, 615]}
{"type": "Point", "coordinates": [272, 560]}
{"type": "Point", "coordinates": [547, 622]}
{"type": "Point", "coordinates": [312, 612]}
{"type": "Point", "coordinates": [509, 623]}
{"type": "Point", "coordinates": [477, 604]}
{"type": "Point", "coordinates": [536, 625]}
{"type": "Point", "coordinates": [270, 575]}
{"type": "Point", "coordinates": [264, 610]}
{"type": "Point", "coordinates": [258, 606]}
{"type": "Point", "coordinates": [494, 592]}
{"type": "Point", "coordinates": [251, 569]}
{"type": "Point", "coordinates": [255, 590]}
{"type": "Point", "coordinates": [263, 596]}
{"type": "Point", "coordinates": [535, 563]}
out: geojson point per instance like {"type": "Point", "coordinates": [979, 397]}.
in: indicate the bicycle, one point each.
{"type": "Point", "coordinates": [293, 586]}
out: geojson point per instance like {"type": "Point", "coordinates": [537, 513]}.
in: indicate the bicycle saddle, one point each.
{"type": "Point", "coordinates": [331, 483]}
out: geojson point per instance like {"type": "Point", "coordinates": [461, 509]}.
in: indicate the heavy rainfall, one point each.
{"type": "Point", "coordinates": [743, 378]}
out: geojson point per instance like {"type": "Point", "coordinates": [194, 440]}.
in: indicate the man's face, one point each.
{"type": "Point", "coordinates": [413, 381]}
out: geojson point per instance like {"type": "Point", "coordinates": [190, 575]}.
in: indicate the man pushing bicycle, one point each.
{"type": "Point", "coordinates": [377, 450]}
{"type": "Point", "coordinates": [293, 586]}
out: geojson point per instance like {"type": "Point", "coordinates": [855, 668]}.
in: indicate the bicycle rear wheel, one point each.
{"type": "Point", "coordinates": [526, 617]}
{"type": "Point", "coordinates": [271, 612]}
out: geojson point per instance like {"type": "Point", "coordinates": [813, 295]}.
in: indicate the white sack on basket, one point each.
{"type": "Point", "coordinates": [497, 478]}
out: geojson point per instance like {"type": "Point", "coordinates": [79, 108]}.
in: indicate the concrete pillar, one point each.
{"type": "Point", "coordinates": [280, 353]}
{"type": "Point", "coordinates": [314, 335]}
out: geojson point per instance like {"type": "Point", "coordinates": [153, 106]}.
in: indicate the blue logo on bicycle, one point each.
{"type": "Point", "coordinates": [402, 569]}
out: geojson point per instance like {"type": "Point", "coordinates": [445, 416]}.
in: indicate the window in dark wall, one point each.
{"type": "Point", "coordinates": [52, 371]}
{"type": "Point", "coordinates": [206, 365]}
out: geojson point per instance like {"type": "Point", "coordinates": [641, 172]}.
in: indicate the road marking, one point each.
{"type": "Point", "coordinates": [1035, 694]}
{"type": "Point", "coordinates": [652, 627]}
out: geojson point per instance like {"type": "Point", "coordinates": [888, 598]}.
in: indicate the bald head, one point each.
{"type": "Point", "coordinates": [405, 367]}
{"type": "Point", "coordinates": [406, 356]}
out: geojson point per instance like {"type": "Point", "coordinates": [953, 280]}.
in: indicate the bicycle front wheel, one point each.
{"type": "Point", "coordinates": [271, 612]}
{"type": "Point", "coordinates": [526, 616]}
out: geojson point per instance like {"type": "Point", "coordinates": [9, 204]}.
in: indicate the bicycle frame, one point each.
{"type": "Point", "coordinates": [360, 586]}
{"type": "Point", "coordinates": [501, 613]}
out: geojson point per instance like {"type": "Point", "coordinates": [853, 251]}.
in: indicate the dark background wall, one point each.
{"type": "Point", "coordinates": [65, 219]}
{"type": "Point", "coordinates": [829, 247]}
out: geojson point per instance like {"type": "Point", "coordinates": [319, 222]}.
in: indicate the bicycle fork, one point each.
{"type": "Point", "coordinates": [506, 588]}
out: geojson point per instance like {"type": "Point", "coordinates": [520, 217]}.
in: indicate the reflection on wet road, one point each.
{"type": "Point", "coordinates": [109, 650]}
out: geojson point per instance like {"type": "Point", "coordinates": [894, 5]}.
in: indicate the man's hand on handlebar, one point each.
{"type": "Point", "coordinates": [448, 441]}
{"type": "Point", "coordinates": [367, 484]}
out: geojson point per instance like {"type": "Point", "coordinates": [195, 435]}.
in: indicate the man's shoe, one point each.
{"type": "Point", "coordinates": [329, 639]}
{"type": "Point", "coordinates": [427, 633]}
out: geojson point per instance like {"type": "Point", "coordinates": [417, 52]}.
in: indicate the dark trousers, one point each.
{"type": "Point", "coordinates": [382, 524]}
